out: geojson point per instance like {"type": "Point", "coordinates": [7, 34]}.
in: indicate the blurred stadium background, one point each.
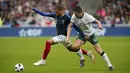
{"type": "Point", "coordinates": [15, 13]}
{"type": "Point", "coordinates": [16, 20]}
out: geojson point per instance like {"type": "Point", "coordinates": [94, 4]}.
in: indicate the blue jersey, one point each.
{"type": "Point", "coordinates": [61, 22]}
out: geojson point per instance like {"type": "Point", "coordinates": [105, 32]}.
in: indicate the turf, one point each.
{"type": "Point", "coordinates": [60, 60]}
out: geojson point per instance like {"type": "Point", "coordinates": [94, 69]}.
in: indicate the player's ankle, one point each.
{"type": "Point", "coordinates": [102, 53]}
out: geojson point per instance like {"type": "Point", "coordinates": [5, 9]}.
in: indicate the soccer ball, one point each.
{"type": "Point", "coordinates": [19, 67]}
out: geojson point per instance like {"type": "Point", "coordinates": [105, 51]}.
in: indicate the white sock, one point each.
{"type": "Point", "coordinates": [105, 57]}
{"type": "Point", "coordinates": [80, 54]}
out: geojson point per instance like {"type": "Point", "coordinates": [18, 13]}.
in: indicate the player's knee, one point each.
{"type": "Point", "coordinates": [48, 42]}
{"type": "Point", "coordinates": [72, 49]}
{"type": "Point", "coordinates": [76, 46]}
{"type": "Point", "coordinates": [98, 49]}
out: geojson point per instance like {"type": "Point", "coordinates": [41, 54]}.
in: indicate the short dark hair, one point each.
{"type": "Point", "coordinates": [60, 7]}
{"type": "Point", "coordinates": [77, 9]}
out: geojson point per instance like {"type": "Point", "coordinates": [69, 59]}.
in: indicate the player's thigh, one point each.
{"type": "Point", "coordinates": [59, 39]}
{"type": "Point", "coordinates": [92, 39]}
{"type": "Point", "coordinates": [51, 41]}
{"type": "Point", "coordinates": [98, 48]}
{"type": "Point", "coordinates": [80, 41]}
{"type": "Point", "coordinates": [62, 40]}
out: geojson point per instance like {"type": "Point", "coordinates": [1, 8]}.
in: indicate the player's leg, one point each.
{"type": "Point", "coordinates": [62, 38]}
{"type": "Point", "coordinates": [47, 48]}
{"type": "Point", "coordinates": [93, 40]}
{"type": "Point", "coordinates": [104, 55]}
{"type": "Point", "coordinates": [46, 51]}
{"type": "Point", "coordinates": [76, 48]}
{"type": "Point", "coordinates": [77, 44]}
{"type": "Point", "coordinates": [80, 41]}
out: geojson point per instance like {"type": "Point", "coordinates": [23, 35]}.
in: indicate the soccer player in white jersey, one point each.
{"type": "Point", "coordinates": [83, 21]}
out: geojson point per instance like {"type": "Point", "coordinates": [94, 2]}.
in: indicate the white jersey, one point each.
{"type": "Point", "coordinates": [84, 23]}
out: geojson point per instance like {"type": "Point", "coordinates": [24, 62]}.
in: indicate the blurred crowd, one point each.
{"type": "Point", "coordinates": [114, 12]}
{"type": "Point", "coordinates": [16, 13]}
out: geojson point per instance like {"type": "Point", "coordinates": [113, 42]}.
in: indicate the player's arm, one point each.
{"type": "Point", "coordinates": [99, 24]}
{"type": "Point", "coordinates": [92, 19]}
{"type": "Point", "coordinates": [69, 31]}
{"type": "Point", "coordinates": [43, 13]}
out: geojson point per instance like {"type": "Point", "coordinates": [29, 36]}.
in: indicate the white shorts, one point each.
{"type": "Point", "coordinates": [61, 39]}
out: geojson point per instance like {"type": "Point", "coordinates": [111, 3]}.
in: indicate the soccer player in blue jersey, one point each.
{"type": "Point", "coordinates": [62, 21]}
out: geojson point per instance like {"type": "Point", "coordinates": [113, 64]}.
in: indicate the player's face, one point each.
{"type": "Point", "coordinates": [78, 14]}
{"type": "Point", "coordinates": [59, 12]}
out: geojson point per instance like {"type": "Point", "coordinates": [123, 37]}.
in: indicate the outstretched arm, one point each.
{"type": "Point", "coordinates": [69, 31]}
{"type": "Point", "coordinates": [99, 24]}
{"type": "Point", "coordinates": [43, 13]}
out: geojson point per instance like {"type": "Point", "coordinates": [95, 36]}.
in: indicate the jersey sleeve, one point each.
{"type": "Point", "coordinates": [78, 30]}
{"type": "Point", "coordinates": [90, 18]}
{"type": "Point", "coordinates": [44, 14]}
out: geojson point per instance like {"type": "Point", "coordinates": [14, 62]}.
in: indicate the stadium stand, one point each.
{"type": "Point", "coordinates": [15, 13]}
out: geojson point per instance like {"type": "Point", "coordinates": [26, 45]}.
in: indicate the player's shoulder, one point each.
{"type": "Point", "coordinates": [67, 15]}
{"type": "Point", "coordinates": [86, 14]}
{"type": "Point", "coordinates": [53, 13]}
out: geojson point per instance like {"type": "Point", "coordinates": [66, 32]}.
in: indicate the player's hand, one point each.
{"type": "Point", "coordinates": [67, 40]}
{"type": "Point", "coordinates": [30, 7]}
{"type": "Point", "coordinates": [100, 29]}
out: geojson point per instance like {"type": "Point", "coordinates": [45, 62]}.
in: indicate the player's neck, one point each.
{"type": "Point", "coordinates": [61, 15]}
{"type": "Point", "coordinates": [82, 15]}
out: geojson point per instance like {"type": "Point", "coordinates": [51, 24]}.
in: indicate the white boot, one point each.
{"type": "Point", "coordinates": [91, 56]}
{"type": "Point", "coordinates": [40, 62]}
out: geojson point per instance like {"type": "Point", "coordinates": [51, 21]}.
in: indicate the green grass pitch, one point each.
{"type": "Point", "coordinates": [60, 60]}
